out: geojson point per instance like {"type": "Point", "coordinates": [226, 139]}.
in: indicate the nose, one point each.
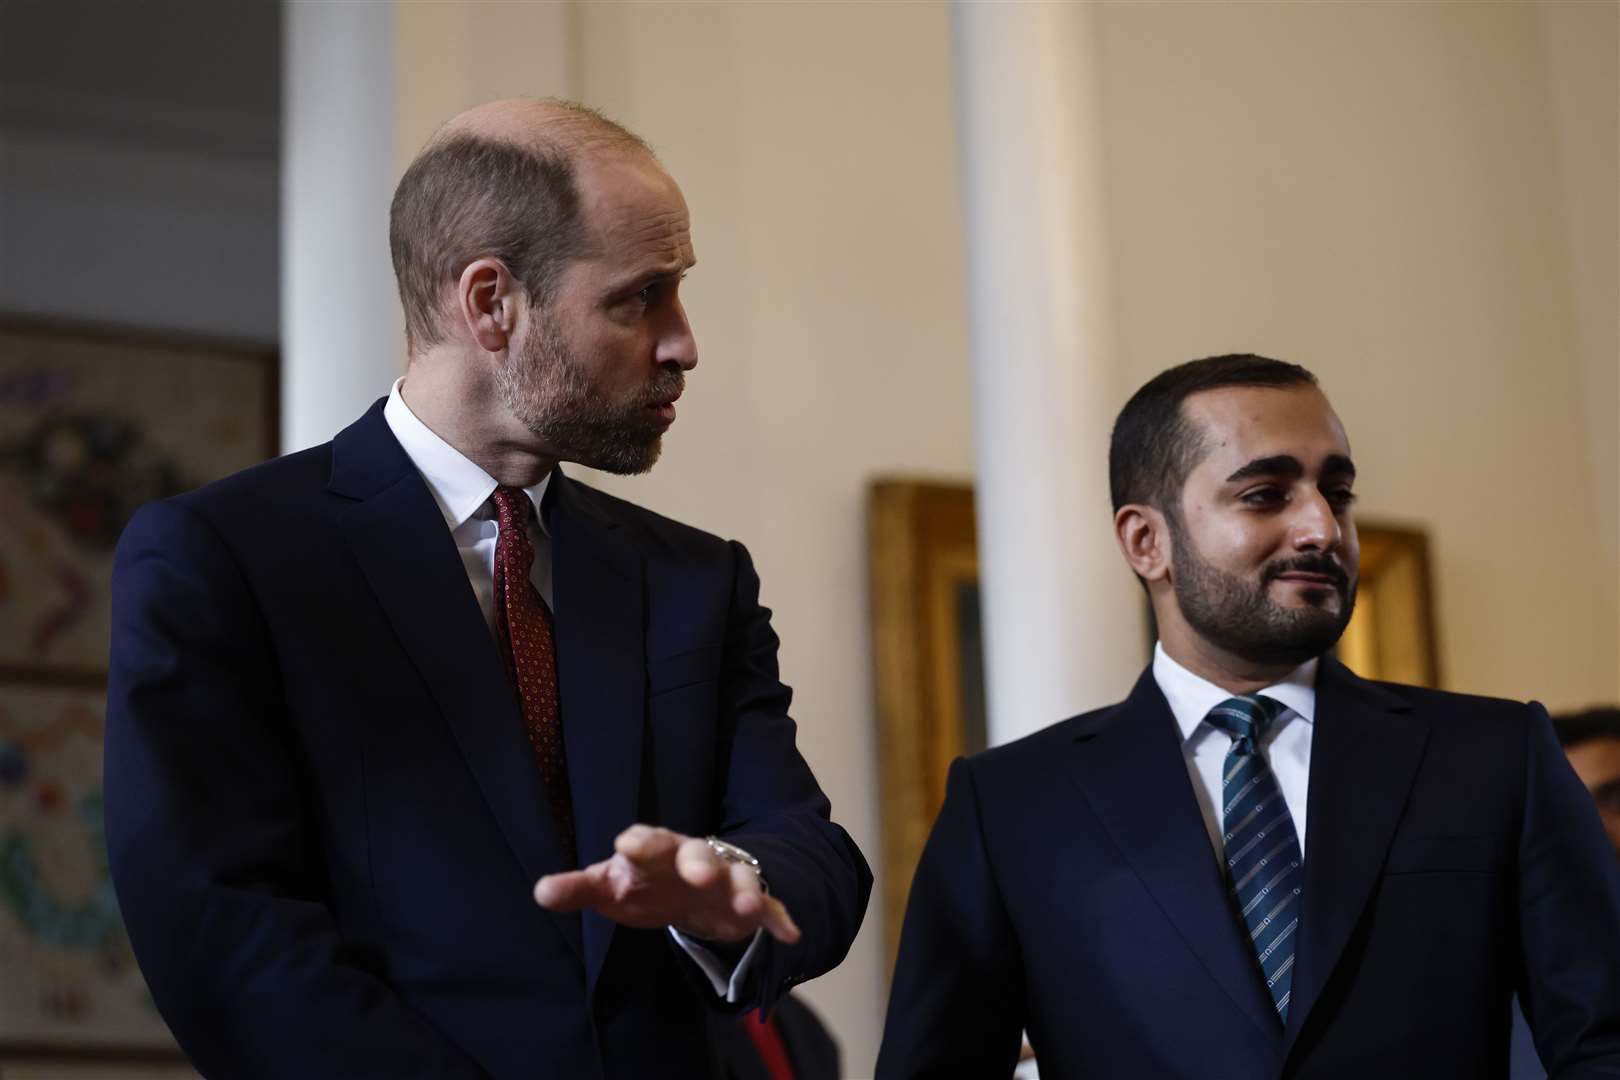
{"type": "Point", "coordinates": [1316, 527]}
{"type": "Point", "coordinates": [676, 343]}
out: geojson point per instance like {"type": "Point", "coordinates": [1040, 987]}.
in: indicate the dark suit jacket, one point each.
{"type": "Point", "coordinates": [812, 1051]}
{"type": "Point", "coordinates": [1451, 857]}
{"type": "Point", "coordinates": [323, 816]}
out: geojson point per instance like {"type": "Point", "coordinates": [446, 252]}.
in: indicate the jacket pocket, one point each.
{"type": "Point", "coordinates": [1444, 853]}
{"type": "Point", "coordinates": [683, 669]}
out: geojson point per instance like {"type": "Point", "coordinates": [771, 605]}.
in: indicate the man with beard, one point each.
{"type": "Point", "coordinates": [426, 760]}
{"type": "Point", "coordinates": [1259, 864]}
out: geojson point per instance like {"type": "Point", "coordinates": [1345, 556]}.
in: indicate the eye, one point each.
{"type": "Point", "coordinates": [1262, 497]}
{"type": "Point", "coordinates": [1340, 498]}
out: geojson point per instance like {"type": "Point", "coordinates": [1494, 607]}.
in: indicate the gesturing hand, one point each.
{"type": "Point", "coordinates": [660, 878]}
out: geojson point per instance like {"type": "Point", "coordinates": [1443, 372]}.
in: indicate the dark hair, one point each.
{"type": "Point", "coordinates": [1154, 448]}
{"type": "Point", "coordinates": [1597, 723]}
{"type": "Point", "coordinates": [467, 196]}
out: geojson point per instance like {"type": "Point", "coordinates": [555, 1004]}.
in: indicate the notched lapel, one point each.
{"type": "Point", "coordinates": [397, 535]}
{"type": "Point", "coordinates": [601, 680]}
{"type": "Point", "coordinates": [1365, 754]}
{"type": "Point", "coordinates": [1132, 773]}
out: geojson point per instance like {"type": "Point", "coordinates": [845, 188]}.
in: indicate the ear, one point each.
{"type": "Point", "coordinates": [490, 302]}
{"type": "Point", "coordinates": [1144, 539]}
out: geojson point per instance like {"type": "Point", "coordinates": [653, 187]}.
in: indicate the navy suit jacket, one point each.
{"type": "Point", "coordinates": [324, 819]}
{"type": "Point", "coordinates": [1451, 858]}
{"type": "Point", "coordinates": [811, 1049]}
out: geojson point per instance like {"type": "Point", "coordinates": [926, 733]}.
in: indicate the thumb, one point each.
{"type": "Point", "coordinates": [571, 891]}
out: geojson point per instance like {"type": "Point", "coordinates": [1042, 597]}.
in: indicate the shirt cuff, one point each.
{"type": "Point", "coordinates": [727, 985]}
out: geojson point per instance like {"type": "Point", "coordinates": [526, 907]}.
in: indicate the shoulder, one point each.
{"type": "Point", "coordinates": [274, 484]}
{"type": "Point", "coordinates": [1443, 707]}
{"type": "Point", "coordinates": [654, 531]}
{"type": "Point", "coordinates": [263, 496]}
{"type": "Point", "coordinates": [1470, 733]}
{"type": "Point", "coordinates": [1013, 763]}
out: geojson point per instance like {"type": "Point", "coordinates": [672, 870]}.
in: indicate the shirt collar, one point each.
{"type": "Point", "coordinates": [458, 485]}
{"type": "Point", "coordinates": [1192, 696]}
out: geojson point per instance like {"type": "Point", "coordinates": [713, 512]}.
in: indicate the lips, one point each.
{"type": "Point", "coordinates": [1320, 572]}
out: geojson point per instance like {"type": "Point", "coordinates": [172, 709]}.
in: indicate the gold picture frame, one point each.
{"type": "Point", "coordinates": [926, 647]}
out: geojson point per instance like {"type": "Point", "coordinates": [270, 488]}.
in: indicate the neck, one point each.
{"type": "Point", "coordinates": [1233, 674]}
{"type": "Point", "coordinates": [467, 413]}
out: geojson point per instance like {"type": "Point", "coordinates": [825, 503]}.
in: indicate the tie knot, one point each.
{"type": "Point", "coordinates": [513, 507]}
{"type": "Point", "coordinates": [1245, 718]}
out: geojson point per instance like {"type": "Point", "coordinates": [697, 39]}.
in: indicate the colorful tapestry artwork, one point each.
{"type": "Point", "coordinates": [68, 965]}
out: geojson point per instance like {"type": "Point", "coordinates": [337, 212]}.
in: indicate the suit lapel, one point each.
{"type": "Point", "coordinates": [601, 679]}
{"type": "Point", "coordinates": [398, 536]}
{"type": "Point", "coordinates": [1365, 752]}
{"type": "Point", "coordinates": [1130, 769]}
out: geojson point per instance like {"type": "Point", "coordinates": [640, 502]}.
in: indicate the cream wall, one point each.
{"type": "Point", "coordinates": [815, 144]}
{"type": "Point", "coordinates": [1375, 190]}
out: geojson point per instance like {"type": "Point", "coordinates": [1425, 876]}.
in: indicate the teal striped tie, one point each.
{"type": "Point", "coordinates": [1264, 865]}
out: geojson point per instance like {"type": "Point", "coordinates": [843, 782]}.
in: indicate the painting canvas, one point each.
{"type": "Point", "coordinates": [929, 669]}
{"type": "Point", "coordinates": [69, 975]}
{"type": "Point", "coordinates": [91, 426]}
{"type": "Point", "coordinates": [93, 423]}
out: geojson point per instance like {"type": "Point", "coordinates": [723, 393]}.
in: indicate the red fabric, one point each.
{"type": "Point", "coordinates": [768, 1041]}
{"type": "Point", "coordinates": [531, 655]}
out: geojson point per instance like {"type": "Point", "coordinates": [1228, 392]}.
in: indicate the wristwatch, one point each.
{"type": "Point", "coordinates": [731, 853]}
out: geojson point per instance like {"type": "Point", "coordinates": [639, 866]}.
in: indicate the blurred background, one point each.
{"type": "Point", "coordinates": [913, 220]}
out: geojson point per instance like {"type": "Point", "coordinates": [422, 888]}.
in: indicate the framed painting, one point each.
{"type": "Point", "coordinates": [927, 647]}
{"type": "Point", "coordinates": [93, 423]}
{"type": "Point", "coordinates": [70, 980]}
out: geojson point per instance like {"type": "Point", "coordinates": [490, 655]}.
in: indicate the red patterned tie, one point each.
{"type": "Point", "coordinates": [531, 654]}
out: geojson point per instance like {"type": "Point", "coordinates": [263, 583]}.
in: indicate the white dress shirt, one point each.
{"type": "Point", "coordinates": [463, 491]}
{"type": "Point", "coordinates": [1286, 745]}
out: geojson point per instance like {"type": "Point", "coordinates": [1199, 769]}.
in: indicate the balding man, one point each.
{"type": "Point", "coordinates": [426, 760]}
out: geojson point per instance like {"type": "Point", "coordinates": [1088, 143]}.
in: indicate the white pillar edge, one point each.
{"type": "Point", "coordinates": [1063, 620]}
{"type": "Point", "coordinates": [342, 345]}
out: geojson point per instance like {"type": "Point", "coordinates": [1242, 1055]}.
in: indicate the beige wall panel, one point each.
{"type": "Point", "coordinates": [1580, 43]}
{"type": "Point", "coordinates": [453, 54]}
{"type": "Point", "coordinates": [815, 144]}
{"type": "Point", "coordinates": [1371, 190]}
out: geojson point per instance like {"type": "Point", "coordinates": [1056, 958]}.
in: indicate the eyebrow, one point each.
{"type": "Point", "coordinates": [1288, 465]}
{"type": "Point", "coordinates": [651, 276]}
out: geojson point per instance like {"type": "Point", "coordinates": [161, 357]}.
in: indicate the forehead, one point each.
{"type": "Point", "coordinates": [634, 211]}
{"type": "Point", "coordinates": [1240, 424]}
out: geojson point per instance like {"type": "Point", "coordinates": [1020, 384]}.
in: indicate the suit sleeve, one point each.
{"type": "Point", "coordinates": [212, 838]}
{"type": "Point", "coordinates": [956, 1006]}
{"type": "Point", "coordinates": [772, 807]}
{"type": "Point", "coordinates": [1569, 917]}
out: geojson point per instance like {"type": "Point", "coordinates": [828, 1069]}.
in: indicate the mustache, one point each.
{"type": "Point", "coordinates": [1309, 563]}
{"type": "Point", "coordinates": [661, 387]}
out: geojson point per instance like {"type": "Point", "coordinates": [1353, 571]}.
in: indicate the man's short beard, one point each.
{"type": "Point", "coordinates": [549, 392]}
{"type": "Point", "coordinates": [1240, 617]}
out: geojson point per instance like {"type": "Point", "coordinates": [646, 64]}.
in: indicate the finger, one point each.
{"type": "Point", "coordinates": [746, 895]}
{"type": "Point", "coordinates": [697, 864]}
{"type": "Point", "coordinates": [647, 843]}
{"type": "Point", "coordinates": [573, 890]}
{"type": "Point", "coordinates": [777, 922]}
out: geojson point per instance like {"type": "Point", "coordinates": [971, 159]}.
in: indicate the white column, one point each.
{"type": "Point", "coordinates": [342, 342]}
{"type": "Point", "coordinates": [367, 81]}
{"type": "Point", "coordinates": [1063, 619]}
